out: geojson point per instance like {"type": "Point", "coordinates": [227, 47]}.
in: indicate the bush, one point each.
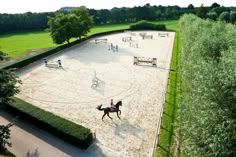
{"type": "Point", "coordinates": [144, 25]}
{"type": "Point", "coordinates": [64, 129]}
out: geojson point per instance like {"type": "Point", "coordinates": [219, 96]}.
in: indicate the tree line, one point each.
{"type": "Point", "coordinates": [38, 21]}
{"type": "Point", "coordinates": [207, 108]}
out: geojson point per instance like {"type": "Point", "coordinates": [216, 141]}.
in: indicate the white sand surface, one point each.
{"type": "Point", "coordinates": [67, 91]}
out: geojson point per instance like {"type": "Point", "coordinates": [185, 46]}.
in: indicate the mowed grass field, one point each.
{"type": "Point", "coordinates": [19, 44]}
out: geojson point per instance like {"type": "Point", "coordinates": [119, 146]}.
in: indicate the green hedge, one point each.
{"type": "Point", "coordinates": [64, 129]}
{"type": "Point", "coordinates": [144, 25]}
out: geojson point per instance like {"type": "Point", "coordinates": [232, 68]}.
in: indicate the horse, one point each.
{"type": "Point", "coordinates": [110, 109]}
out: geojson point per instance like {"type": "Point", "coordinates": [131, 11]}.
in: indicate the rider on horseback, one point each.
{"type": "Point", "coordinates": [113, 107]}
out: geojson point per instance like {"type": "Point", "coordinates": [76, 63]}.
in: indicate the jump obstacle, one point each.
{"type": "Point", "coordinates": [163, 34]}
{"type": "Point", "coordinates": [147, 36]}
{"type": "Point", "coordinates": [100, 40]}
{"type": "Point", "coordinates": [52, 64]}
{"type": "Point", "coordinates": [125, 39]}
{"type": "Point", "coordinates": [95, 81]}
{"type": "Point", "coordinates": [131, 33]}
{"type": "Point", "coordinates": [152, 61]}
{"type": "Point", "coordinates": [133, 44]}
{"type": "Point", "coordinates": [142, 34]}
{"type": "Point", "coordinates": [112, 47]}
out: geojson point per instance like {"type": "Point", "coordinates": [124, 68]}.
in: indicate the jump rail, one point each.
{"type": "Point", "coordinates": [152, 61]}
{"type": "Point", "coordinates": [163, 34]}
{"type": "Point", "coordinates": [100, 40]}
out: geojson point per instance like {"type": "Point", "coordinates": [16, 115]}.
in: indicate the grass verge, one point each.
{"type": "Point", "coordinates": [168, 141]}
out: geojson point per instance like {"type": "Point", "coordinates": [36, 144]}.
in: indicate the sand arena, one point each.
{"type": "Point", "coordinates": [68, 91]}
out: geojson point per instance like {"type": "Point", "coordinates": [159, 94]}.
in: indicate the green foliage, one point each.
{"type": "Point", "coordinates": [17, 44]}
{"type": "Point", "coordinates": [233, 17]}
{"type": "Point", "coordinates": [86, 21]}
{"type": "Point", "coordinates": [8, 85]}
{"type": "Point", "coordinates": [4, 137]}
{"type": "Point", "coordinates": [64, 129]}
{"type": "Point", "coordinates": [207, 119]}
{"type": "Point", "coordinates": [201, 12]}
{"type": "Point", "coordinates": [215, 5]}
{"type": "Point", "coordinates": [142, 25]}
{"type": "Point", "coordinates": [2, 55]}
{"type": "Point", "coordinates": [76, 24]}
{"type": "Point", "coordinates": [212, 16]}
{"type": "Point", "coordinates": [224, 16]}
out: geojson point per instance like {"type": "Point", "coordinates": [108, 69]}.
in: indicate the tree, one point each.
{"type": "Point", "coordinates": [201, 12]}
{"type": "Point", "coordinates": [8, 81]}
{"type": "Point", "coordinates": [85, 21]}
{"type": "Point", "coordinates": [219, 10]}
{"type": "Point", "coordinates": [212, 16]}
{"type": "Point", "coordinates": [215, 5]}
{"type": "Point", "coordinates": [5, 136]}
{"type": "Point", "coordinates": [76, 24]}
{"type": "Point", "coordinates": [8, 87]}
{"type": "Point", "coordinates": [224, 16]}
{"type": "Point", "coordinates": [190, 7]}
{"type": "Point", "coordinates": [233, 17]}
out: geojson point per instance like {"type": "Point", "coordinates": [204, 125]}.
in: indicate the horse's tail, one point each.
{"type": "Point", "coordinates": [99, 107]}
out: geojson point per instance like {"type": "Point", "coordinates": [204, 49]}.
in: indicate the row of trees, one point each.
{"type": "Point", "coordinates": [38, 21]}
{"type": "Point", "coordinates": [229, 17]}
{"type": "Point", "coordinates": [207, 109]}
{"type": "Point", "coordinates": [23, 22]}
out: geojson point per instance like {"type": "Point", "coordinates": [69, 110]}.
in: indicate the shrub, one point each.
{"type": "Point", "coordinates": [144, 25]}
{"type": "Point", "coordinates": [64, 129]}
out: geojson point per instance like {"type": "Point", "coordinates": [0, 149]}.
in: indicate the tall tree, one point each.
{"type": "Point", "coordinates": [201, 12]}
{"type": "Point", "coordinates": [85, 21]}
{"type": "Point", "coordinates": [212, 16]}
{"type": "Point", "coordinates": [215, 5]}
{"type": "Point", "coordinates": [8, 83]}
{"type": "Point", "coordinates": [76, 24]}
{"type": "Point", "coordinates": [224, 16]}
{"type": "Point", "coordinates": [233, 17]}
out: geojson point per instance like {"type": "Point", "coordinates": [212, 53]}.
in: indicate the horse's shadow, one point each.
{"type": "Point", "coordinates": [125, 127]}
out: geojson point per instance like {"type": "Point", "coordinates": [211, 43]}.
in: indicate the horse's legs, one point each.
{"type": "Point", "coordinates": [108, 115]}
{"type": "Point", "coordinates": [117, 115]}
{"type": "Point", "coordinates": [103, 115]}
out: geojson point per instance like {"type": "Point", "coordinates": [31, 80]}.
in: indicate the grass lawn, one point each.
{"type": "Point", "coordinates": [19, 44]}
{"type": "Point", "coordinates": [168, 143]}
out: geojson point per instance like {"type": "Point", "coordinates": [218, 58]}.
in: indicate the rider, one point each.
{"type": "Point", "coordinates": [113, 107]}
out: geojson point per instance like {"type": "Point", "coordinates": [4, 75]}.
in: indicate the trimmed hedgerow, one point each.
{"type": "Point", "coordinates": [144, 25]}
{"type": "Point", "coordinates": [62, 128]}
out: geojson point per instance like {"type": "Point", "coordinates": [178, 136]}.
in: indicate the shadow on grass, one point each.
{"type": "Point", "coordinates": [168, 153]}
